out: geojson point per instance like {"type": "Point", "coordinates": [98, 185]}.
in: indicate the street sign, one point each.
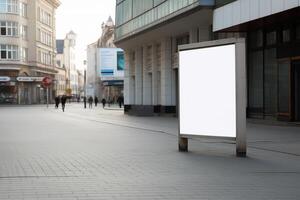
{"type": "Point", "coordinates": [29, 79]}
{"type": "Point", "coordinates": [47, 81]}
{"type": "Point", "coordinates": [4, 79]}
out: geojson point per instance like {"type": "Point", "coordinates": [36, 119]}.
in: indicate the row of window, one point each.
{"type": "Point", "coordinates": [14, 7]}
{"type": "Point", "coordinates": [45, 37]}
{"type": "Point", "coordinates": [274, 37]}
{"type": "Point", "coordinates": [12, 29]}
{"type": "Point", "coordinates": [45, 57]}
{"type": "Point", "coordinates": [13, 52]}
{"type": "Point", "coordinates": [44, 17]}
{"type": "Point", "coordinates": [127, 21]}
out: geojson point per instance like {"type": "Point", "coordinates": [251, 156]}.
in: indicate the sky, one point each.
{"type": "Point", "coordinates": [85, 19]}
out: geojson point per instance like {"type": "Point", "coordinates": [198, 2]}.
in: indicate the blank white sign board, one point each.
{"type": "Point", "coordinates": [207, 84]}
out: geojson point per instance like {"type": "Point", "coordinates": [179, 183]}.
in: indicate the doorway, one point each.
{"type": "Point", "coordinates": [296, 90]}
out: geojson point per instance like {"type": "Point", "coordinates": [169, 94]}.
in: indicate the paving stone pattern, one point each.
{"type": "Point", "coordinates": [102, 154]}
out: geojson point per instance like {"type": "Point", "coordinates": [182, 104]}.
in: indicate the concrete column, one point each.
{"type": "Point", "coordinates": [193, 35]}
{"type": "Point", "coordinates": [204, 33]}
{"type": "Point", "coordinates": [147, 79]}
{"type": "Point", "coordinates": [139, 76]}
{"type": "Point", "coordinates": [127, 76]}
{"type": "Point", "coordinates": [154, 75]}
{"type": "Point", "coordinates": [166, 72]}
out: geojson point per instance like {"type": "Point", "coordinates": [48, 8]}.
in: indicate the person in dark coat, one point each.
{"type": "Point", "coordinates": [57, 100]}
{"type": "Point", "coordinates": [120, 100]}
{"type": "Point", "coordinates": [96, 101]}
{"type": "Point", "coordinates": [103, 101]}
{"type": "Point", "coordinates": [63, 102]}
{"type": "Point", "coordinates": [91, 102]}
{"type": "Point", "coordinates": [84, 101]}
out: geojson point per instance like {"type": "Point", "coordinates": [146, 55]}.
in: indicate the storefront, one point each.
{"type": "Point", "coordinates": [112, 90]}
{"type": "Point", "coordinates": [22, 90]}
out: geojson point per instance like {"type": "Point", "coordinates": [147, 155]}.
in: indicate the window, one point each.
{"type": "Point", "coordinates": [271, 38]}
{"type": "Point", "coordinates": [286, 35]}
{"type": "Point", "coordinates": [9, 28]}
{"type": "Point", "coordinates": [9, 6]}
{"type": "Point", "coordinates": [45, 17]}
{"type": "Point", "coordinates": [45, 57]}
{"type": "Point", "coordinates": [45, 37]}
{"type": "Point", "coordinates": [24, 32]}
{"type": "Point", "coordinates": [298, 32]}
{"type": "Point", "coordinates": [23, 9]}
{"type": "Point", "coordinates": [256, 39]}
{"type": "Point", "coordinates": [9, 52]}
{"type": "Point", "coordinates": [24, 54]}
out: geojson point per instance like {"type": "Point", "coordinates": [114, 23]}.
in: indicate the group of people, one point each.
{"type": "Point", "coordinates": [61, 100]}
{"type": "Point", "coordinates": [90, 100]}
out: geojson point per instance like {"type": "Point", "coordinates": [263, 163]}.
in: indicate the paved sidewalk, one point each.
{"type": "Point", "coordinates": [103, 154]}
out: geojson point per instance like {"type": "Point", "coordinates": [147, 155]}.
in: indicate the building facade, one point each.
{"type": "Point", "coordinates": [150, 31]}
{"type": "Point", "coordinates": [272, 30]}
{"type": "Point", "coordinates": [66, 59]}
{"type": "Point", "coordinates": [109, 88]}
{"type": "Point", "coordinates": [27, 42]}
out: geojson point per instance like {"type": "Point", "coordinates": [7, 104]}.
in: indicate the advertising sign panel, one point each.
{"type": "Point", "coordinates": [214, 105]}
{"type": "Point", "coordinates": [4, 79]}
{"type": "Point", "coordinates": [111, 62]}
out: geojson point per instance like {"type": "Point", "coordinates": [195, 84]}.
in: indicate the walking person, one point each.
{"type": "Point", "coordinates": [57, 100]}
{"type": "Point", "coordinates": [91, 102]}
{"type": "Point", "coordinates": [120, 101]}
{"type": "Point", "coordinates": [96, 101]}
{"type": "Point", "coordinates": [103, 101]}
{"type": "Point", "coordinates": [63, 102]}
{"type": "Point", "coordinates": [84, 101]}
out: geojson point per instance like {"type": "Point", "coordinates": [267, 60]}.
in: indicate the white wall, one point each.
{"type": "Point", "coordinates": [242, 11]}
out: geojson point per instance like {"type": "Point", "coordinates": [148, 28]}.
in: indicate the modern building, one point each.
{"type": "Point", "coordinates": [272, 29]}
{"type": "Point", "coordinates": [150, 31]}
{"type": "Point", "coordinates": [97, 85]}
{"type": "Point", "coordinates": [27, 45]}
{"type": "Point", "coordinates": [66, 51]}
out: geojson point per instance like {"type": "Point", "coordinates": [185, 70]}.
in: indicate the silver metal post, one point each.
{"type": "Point", "coordinates": [47, 97]}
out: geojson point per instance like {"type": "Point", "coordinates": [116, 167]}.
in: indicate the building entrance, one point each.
{"type": "Point", "coordinates": [296, 88]}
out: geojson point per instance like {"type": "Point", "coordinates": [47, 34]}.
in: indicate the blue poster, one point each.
{"type": "Point", "coordinates": [120, 61]}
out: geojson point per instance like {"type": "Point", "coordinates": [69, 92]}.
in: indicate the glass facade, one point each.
{"type": "Point", "coordinates": [132, 15]}
{"type": "Point", "coordinates": [271, 53]}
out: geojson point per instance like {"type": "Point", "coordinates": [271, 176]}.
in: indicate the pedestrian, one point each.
{"type": "Point", "coordinates": [78, 99]}
{"type": "Point", "coordinates": [103, 101]}
{"type": "Point", "coordinates": [57, 100]}
{"type": "Point", "coordinates": [63, 102]}
{"type": "Point", "coordinates": [84, 101]}
{"type": "Point", "coordinates": [120, 101]}
{"type": "Point", "coordinates": [96, 101]}
{"type": "Point", "coordinates": [91, 102]}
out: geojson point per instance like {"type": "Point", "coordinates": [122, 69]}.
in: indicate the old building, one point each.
{"type": "Point", "coordinates": [66, 58]}
{"type": "Point", "coordinates": [103, 87]}
{"type": "Point", "coordinates": [27, 45]}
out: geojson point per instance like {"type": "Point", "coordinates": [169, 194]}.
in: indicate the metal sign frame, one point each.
{"type": "Point", "coordinates": [241, 90]}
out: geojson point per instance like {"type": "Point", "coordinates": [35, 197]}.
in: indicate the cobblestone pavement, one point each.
{"type": "Point", "coordinates": [102, 154]}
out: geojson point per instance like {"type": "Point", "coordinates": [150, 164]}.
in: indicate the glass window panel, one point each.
{"type": "Point", "coordinates": [271, 38]}
{"type": "Point", "coordinates": [256, 82]}
{"type": "Point", "coordinates": [286, 35]}
{"type": "Point", "coordinates": [298, 32]}
{"type": "Point", "coordinates": [283, 86]}
{"type": "Point", "coordinates": [270, 82]}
